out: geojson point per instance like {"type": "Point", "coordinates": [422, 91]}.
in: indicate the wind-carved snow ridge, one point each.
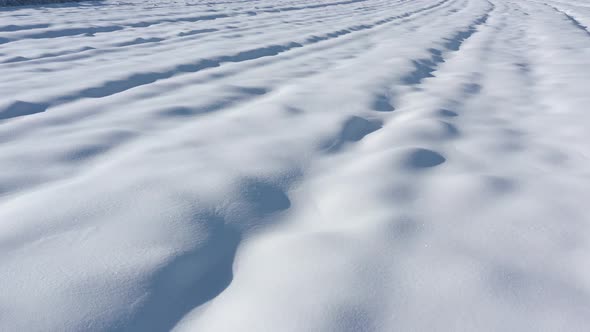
{"type": "Point", "coordinates": [575, 22]}
{"type": "Point", "coordinates": [358, 165]}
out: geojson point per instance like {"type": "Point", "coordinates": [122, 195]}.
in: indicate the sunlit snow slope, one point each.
{"type": "Point", "coordinates": [282, 165]}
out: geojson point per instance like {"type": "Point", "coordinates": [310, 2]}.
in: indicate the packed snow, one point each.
{"type": "Point", "coordinates": [282, 165]}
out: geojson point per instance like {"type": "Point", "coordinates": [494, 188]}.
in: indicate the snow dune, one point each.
{"type": "Point", "coordinates": [325, 165]}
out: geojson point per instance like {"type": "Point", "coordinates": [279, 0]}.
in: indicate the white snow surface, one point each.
{"type": "Point", "coordinates": [282, 165]}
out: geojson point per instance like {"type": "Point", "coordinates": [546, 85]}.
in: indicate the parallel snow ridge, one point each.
{"type": "Point", "coordinates": [4, 3]}
{"type": "Point", "coordinates": [315, 165]}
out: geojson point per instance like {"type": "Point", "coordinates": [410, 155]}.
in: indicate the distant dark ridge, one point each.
{"type": "Point", "coordinates": [9, 3]}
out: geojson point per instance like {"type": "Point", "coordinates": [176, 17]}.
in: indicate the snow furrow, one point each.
{"type": "Point", "coordinates": [138, 79]}
{"type": "Point", "coordinates": [315, 165]}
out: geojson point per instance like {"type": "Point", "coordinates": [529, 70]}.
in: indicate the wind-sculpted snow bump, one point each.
{"type": "Point", "coordinates": [321, 5]}
{"type": "Point", "coordinates": [258, 53]}
{"type": "Point", "coordinates": [13, 27]}
{"type": "Point", "coordinates": [196, 32]}
{"type": "Point", "coordinates": [49, 55]}
{"type": "Point", "coordinates": [133, 81]}
{"type": "Point", "coordinates": [420, 158]}
{"type": "Point", "coordinates": [15, 59]}
{"type": "Point", "coordinates": [21, 108]}
{"type": "Point", "coordinates": [73, 32]}
{"type": "Point", "coordinates": [455, 42]}
{"type": "Point", "coordinates": [432, 130]}
{"type": "Point", "coordinates": [190, 279]}
{"type": "Point", "coordinates": [382, 103]}
{"type": "Point", "coordinates": [424, 68]}
{"type": "Point", "coordinates": [250, 90]}
{"type": "Point", "coordinates": [191, 19]}
{"type": "Point", "coordinates": [449, 130]}
{"type": "Point", "coordinates": [335, 34]}
{"type": "Point", "coordinates": [242, 94]}
{"type": "Point", "coordinates": [353, 129]}
{"type": "Point", "coordinates": [263, 197]}
{"type": "Point", "coordinates": [136, 80]}
{"type": "Point", "coordinates": [140, 40]}
{"type": "Point", "coordinates": [447, 113]}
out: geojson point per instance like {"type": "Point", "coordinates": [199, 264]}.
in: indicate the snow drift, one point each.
{"type": "Point", "coordinates": [356, 165]}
